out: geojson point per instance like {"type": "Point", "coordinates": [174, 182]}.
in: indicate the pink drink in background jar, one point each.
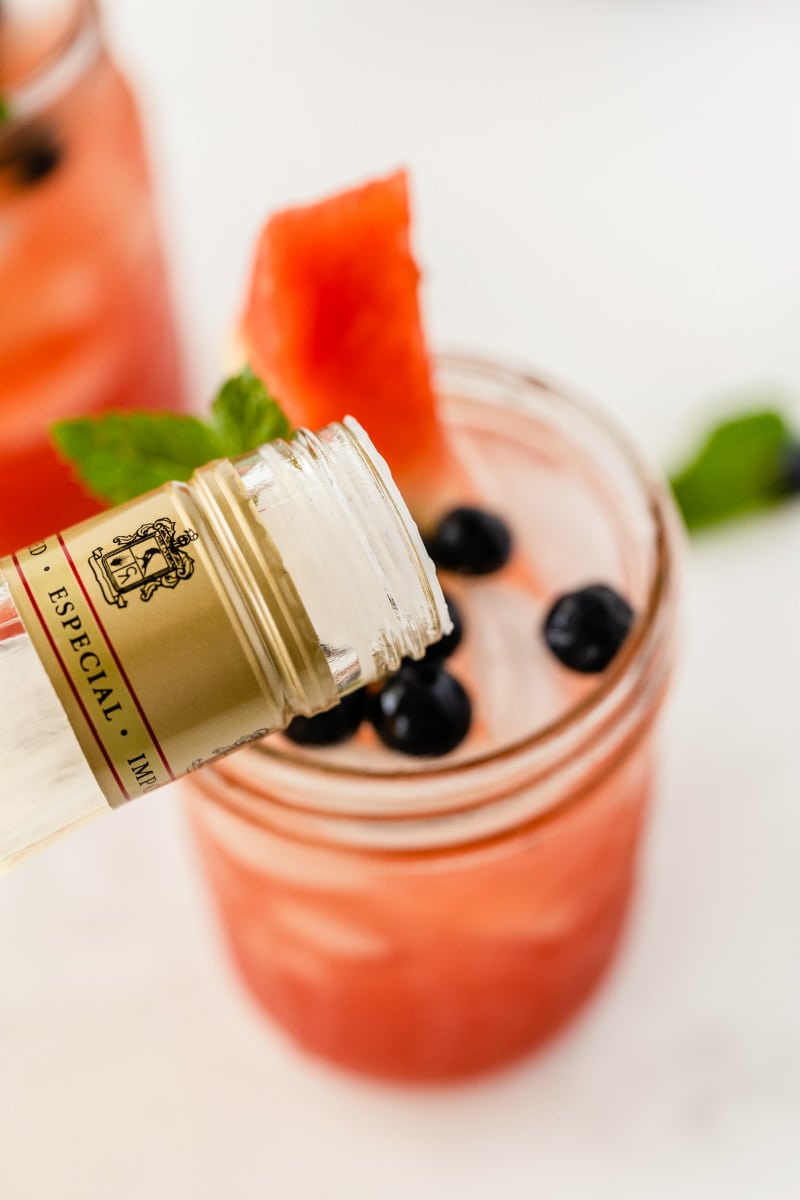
{"type": "Point", "coordinates": [85, 317]}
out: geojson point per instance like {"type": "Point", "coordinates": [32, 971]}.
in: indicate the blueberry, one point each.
{"type": "Point", "coordinates": [585, 629]}
{"type": "Point", "coordinates": [790, 470]}
{"type": "Point", "coordinates": [423, 710]}
{"type": "Point", "coordinates": [32, 154]}
{"type": "Point", "coordinates": [451, 641]}
{"type": "Point", "coordinates": [471, 541]}
{"type": "Point", "coordinates": [336, 725]}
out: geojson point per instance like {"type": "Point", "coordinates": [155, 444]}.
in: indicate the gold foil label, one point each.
{"type": "Point", "coordinates": [145, 643]}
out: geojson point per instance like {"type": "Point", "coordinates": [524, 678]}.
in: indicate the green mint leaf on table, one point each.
{"type": "Point", "coordinates": [244, 415]}
{"type": "Point", "coordinates": [5, 110]}
{"type": "Point", "coordinates": [738, 469]}
{"type": "Point", "coordinates": [121, 455]}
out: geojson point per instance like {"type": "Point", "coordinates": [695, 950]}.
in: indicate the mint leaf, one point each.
{"type": "Point", "coordinates": [737, 469]}
{"type": "Point", "coordinates": [5, 110]}
{"type": "Point", "coordinates": [121, 455]}
{"type": "Point", "coordinates": [244, 415]}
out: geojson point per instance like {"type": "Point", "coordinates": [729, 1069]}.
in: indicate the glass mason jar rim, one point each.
{"type": "Point", "coordinates": [75, 45]}
{"type": "Point", "coordinates": [413, 806]}
{"type": "Point", "coordinates": [643, 630]}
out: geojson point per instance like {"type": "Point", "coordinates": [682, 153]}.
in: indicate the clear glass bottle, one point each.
{"type": "Point", "coordinates": [160, 635]}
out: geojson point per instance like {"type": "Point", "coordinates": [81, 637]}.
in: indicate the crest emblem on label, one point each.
{"type": "Point", "coordinates": [151, 558]}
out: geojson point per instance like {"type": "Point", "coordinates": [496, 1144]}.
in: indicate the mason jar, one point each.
{"type": "Point", "coordinates": [427, 919]}
{"type": "Point", "coordinates": [85, 317]}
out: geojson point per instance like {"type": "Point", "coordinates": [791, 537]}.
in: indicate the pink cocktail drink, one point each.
{"type": "Point", "coordinates": [85, 318]}
{"type": "Point", "coordinates": [432, 918]}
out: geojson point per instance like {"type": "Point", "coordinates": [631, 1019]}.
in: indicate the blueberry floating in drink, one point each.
{"type": "Point", "coordinates": [31, 154]}
{"type": "Point", "coordinates": [423, 711]}
{"type": "Point", "coordinates": [452, 640]}
{"type": "Point", "coordinates": [586, 629]}
{"type": "Point", "coordinates": [328, 728]}
{"type": "Point", "coordinates": [471, 541]}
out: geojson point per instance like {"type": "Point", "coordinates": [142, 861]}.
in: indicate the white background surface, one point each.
{"type": "Point", "coordinates": [609, 189]}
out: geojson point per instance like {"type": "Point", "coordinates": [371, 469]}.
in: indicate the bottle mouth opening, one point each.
{"type": "Point", "coordinates": [66, 42]}
{"type": "Point", "coordinates": [376, 599]}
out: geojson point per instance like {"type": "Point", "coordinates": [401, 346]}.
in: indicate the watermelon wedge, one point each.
{"type": "Point", "coordinates": [333, 326]}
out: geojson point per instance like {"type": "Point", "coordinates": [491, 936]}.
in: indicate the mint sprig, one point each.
{"type": "Point", "coordinates": [738, 469]}
{"type": "Point", "coordinates": [121, 455]}
{"type": "Point", "coordinates": [5, 110]}
{"type": "Point", "coordinates": [244, 415]}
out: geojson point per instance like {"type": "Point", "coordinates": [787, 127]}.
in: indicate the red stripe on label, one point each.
{"type": "Point", "coordinates": [67, 676]}
{"type": "Point", "coordinates": [113, 654]}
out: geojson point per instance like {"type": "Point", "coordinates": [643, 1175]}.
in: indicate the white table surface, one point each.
{"type": "Point", "coordinates": [610, 189]}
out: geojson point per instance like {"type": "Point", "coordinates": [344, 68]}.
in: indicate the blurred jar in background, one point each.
{"type": "Point", "coordinates": [85, 318]}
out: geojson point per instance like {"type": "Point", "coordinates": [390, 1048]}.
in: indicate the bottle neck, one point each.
{"type": "Point", "coordinates": [207, 614]}
{"type": "Point", "coordinates": [351, 549]}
